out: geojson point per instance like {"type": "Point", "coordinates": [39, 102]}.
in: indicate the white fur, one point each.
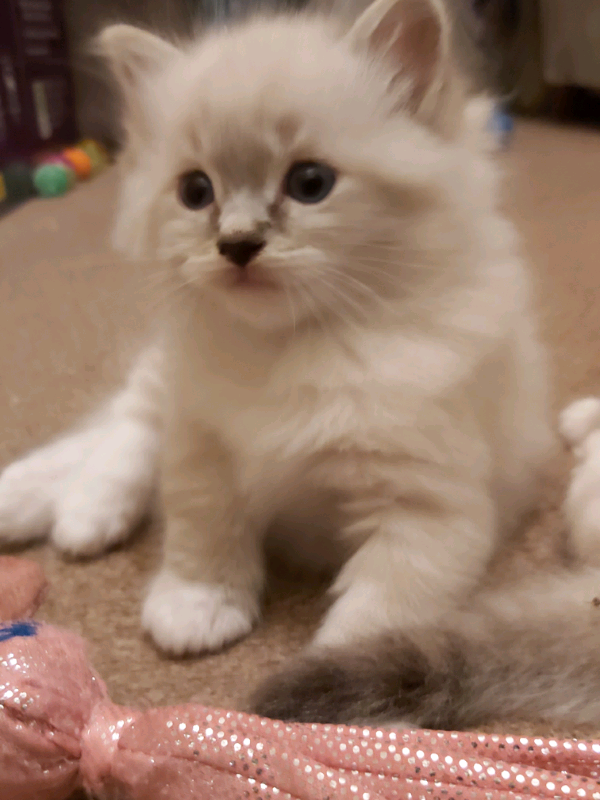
{"type": "Point", "coordinates": [579, 419]}
{"type": "Point", "coordinates": [29, 488]}
{"type": "Point", "coordinates": [90, 489]}
{"type": "Point", "coordinates": [580, 426]}
{"type": "Point", "coordinates": [389, 392]}
{"type": "Point", "coordinates": [185, 616]}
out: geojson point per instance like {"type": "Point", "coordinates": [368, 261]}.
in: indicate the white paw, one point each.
{"type": "Point", "coordinates": [361, 609]}
{"type": "Point", "coordinates": [28, 488]}
{"type": "Point", "coordinates": [185, 617]}
{"type": "Point", "coordinates": [87, 529]}
{"type": "Point", "coordinates": [87, 491]}
{"type": "Point", "coordinates": [579, 419]}
{"type": "Point", "coordinates": [25, 511]}
{"type": "Point", "coordinates": [103, 501]}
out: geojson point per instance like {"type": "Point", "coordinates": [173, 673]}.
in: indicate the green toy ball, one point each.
{"type": "Point", "coordinates": [53, 179]}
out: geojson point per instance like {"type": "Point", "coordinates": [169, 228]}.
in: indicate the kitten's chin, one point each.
{"type": "Point", "coordinates": [261, 304]}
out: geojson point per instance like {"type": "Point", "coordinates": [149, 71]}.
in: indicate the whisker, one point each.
{"type": "Point", "coordinates": [307, 298]}
{"type": "Point", "coordinates": [367, 291]}
{"type": "Point", "coordinates": [345, 299]}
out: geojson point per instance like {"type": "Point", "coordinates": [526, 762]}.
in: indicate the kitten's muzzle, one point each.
{"type": "Point", "coordinates": [240, 251]}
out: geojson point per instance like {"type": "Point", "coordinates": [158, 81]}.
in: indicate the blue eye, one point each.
{"type": "Point", "coordinates": [309, 182]}
{"type": "Point", "coordinates": [196, 190]}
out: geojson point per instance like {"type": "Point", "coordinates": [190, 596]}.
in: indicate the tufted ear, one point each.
{"type": "Point", "coordinates": [134, 55]}
{"type": "Point", "coordinates": [414, 38]}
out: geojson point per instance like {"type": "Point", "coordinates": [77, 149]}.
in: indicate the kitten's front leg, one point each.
{"type": "Point", "coordinates": [207, 593]}
{"type": "Point", "coordinates": [413, 568]}
{"type": "Point", "coordinates": [420, 556]}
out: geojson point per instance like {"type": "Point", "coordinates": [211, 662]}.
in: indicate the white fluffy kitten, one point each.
{"type": "Point", "coordinates": [350, 358]}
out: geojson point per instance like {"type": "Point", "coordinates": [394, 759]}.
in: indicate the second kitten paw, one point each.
{"type": "Point", "coordinates": [186, 617]}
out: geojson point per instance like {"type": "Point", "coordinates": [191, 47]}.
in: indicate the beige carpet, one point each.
{"type": "Point", "coordinates": [71, 312]}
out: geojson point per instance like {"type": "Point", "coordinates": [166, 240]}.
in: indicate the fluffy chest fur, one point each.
{"type": "Point", "coordinates": [286, 405]}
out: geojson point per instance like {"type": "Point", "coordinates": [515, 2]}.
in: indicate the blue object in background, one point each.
{"type": "Point", "coordinates": [502, 125]}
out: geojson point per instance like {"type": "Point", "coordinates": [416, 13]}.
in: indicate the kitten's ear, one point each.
{"type": "Point", "coordinates": [414, 38]}
{"type": "Point", "coordinates": [134, 55]}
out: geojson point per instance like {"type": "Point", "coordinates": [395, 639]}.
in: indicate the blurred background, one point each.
{"type": "Point", "coordinates": [540, 56]}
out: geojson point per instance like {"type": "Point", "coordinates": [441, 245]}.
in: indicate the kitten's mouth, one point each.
{"type": "Point", "coordinates": [248, 280]}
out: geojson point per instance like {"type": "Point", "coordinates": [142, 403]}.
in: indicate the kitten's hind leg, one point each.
{"type": "Point", "coordinates": [89, 489]}
{"type": "Point", "coordinates": [29, 488]}
{"type": "Point", "coordinates": [110, 492]}
{"type": "Point", "coordinates": [107, 496]}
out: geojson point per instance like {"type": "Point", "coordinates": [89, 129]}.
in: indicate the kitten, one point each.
{"type": "Point", "coordinates": [350, 356]}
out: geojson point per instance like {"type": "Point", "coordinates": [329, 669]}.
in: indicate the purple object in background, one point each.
{"type": "Point", "coordinates": [37, 107]}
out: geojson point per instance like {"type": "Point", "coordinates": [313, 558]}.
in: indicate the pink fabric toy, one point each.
{"type": "Point", "coordinates": [22, 587]}
{"type": "Point", "coordinates": [59, 732]}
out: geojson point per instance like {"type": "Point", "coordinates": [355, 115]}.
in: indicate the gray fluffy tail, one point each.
{"type": "Point", "coordinates": [531, 653]}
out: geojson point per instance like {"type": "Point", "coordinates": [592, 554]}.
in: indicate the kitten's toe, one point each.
{"type": "Point", "coordinates": [185, 617]}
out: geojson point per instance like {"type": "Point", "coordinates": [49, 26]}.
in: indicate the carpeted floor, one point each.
{"type": "Point", "coordinates": [72, 313]}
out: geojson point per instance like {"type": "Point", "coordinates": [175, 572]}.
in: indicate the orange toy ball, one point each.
{"type": "Point", "coordinates": [79, 160]}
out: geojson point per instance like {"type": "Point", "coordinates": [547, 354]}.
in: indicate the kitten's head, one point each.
{"type": "Point", "coordinates": [290, 167]}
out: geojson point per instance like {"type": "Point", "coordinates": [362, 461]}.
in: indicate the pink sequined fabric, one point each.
{"type": "Point", "coordinates": [59, 731]}
{"type": "Point", "coordinates": [201, 753]}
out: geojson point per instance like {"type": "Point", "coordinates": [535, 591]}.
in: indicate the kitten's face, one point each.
{"type": "Point", "coordinates": [272, 176]}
